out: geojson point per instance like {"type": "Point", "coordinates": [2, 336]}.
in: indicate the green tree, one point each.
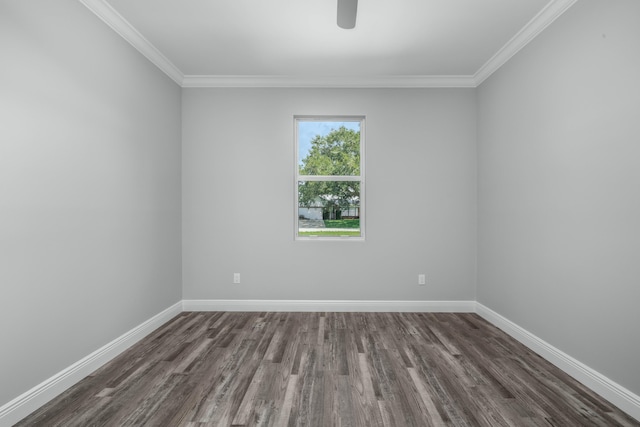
{"type": "Point", "coordinates": [335, 154]}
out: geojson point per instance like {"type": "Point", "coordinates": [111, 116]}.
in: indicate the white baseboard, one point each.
{"type": "Point", "coordinates": [33, 399]}
{"type": "Point", "coordinates": [608, 389]}
{"type": "Point", "coordinates": [330, 305]}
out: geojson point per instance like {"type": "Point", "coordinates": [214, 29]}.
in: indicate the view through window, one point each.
{"type": "Point", "coordinates": [329, 177]}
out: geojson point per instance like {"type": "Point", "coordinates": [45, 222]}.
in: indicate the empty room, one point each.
{"type": "Point", "coordinates": [319, 213]}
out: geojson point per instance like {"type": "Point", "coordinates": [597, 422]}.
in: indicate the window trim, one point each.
{"type": "Point", "coordinates": [360, 178]}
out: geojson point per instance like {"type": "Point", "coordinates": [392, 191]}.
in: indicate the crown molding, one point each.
{"type": "Point", "coordinates": [329, 81]}
{"type": "Point", "coordinates": [113, 19]}
{"type": "Point", "coordinates": [542, 20]}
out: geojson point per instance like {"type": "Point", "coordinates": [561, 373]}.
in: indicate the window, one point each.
{"type": "Point", "coordinates": [329, 178]}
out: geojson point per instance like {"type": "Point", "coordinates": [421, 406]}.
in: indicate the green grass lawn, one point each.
{"type": "Point", "coordinates": [321, 233]}
{"type": "Point", "coordinates": [342, 223]}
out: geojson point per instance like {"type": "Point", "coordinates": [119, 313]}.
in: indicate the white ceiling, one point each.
{"type": "Point", "coordinates": [395, 42]}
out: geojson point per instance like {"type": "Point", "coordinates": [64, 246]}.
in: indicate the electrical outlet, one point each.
{"type": "Point", "coordinates": [422, 280]}
{"type": "Point", "coordinates": [236, 277]}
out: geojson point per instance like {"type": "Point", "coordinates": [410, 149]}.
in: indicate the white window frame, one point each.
{"type": "Point", "coordinates": [360, 178]}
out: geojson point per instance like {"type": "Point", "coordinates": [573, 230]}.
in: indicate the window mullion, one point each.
{"type": "Point", "coordinates": [329, 178]}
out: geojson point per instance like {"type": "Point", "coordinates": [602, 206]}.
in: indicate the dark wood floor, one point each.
{"type": "Point", "coordinates": [328, 369]}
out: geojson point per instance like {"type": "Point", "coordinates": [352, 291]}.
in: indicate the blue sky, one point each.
{"type": "Point", "coordinates": [308, 130]}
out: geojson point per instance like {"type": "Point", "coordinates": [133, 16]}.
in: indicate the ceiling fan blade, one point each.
{"type": "Point", "coordinates": [347, 11]}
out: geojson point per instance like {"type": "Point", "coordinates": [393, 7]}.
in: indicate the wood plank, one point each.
{"type": "Point", "coordinates": [328, 369]}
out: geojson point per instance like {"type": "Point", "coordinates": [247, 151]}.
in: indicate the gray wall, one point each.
{"type": "Point", "coordinates": [559, 194]}
{"type": "Point", "coordinates": [90, 176]}
{"type": "Point", "coordinates": [89, 189]}
{"type": "Point", "coordinates": [238, 166]}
